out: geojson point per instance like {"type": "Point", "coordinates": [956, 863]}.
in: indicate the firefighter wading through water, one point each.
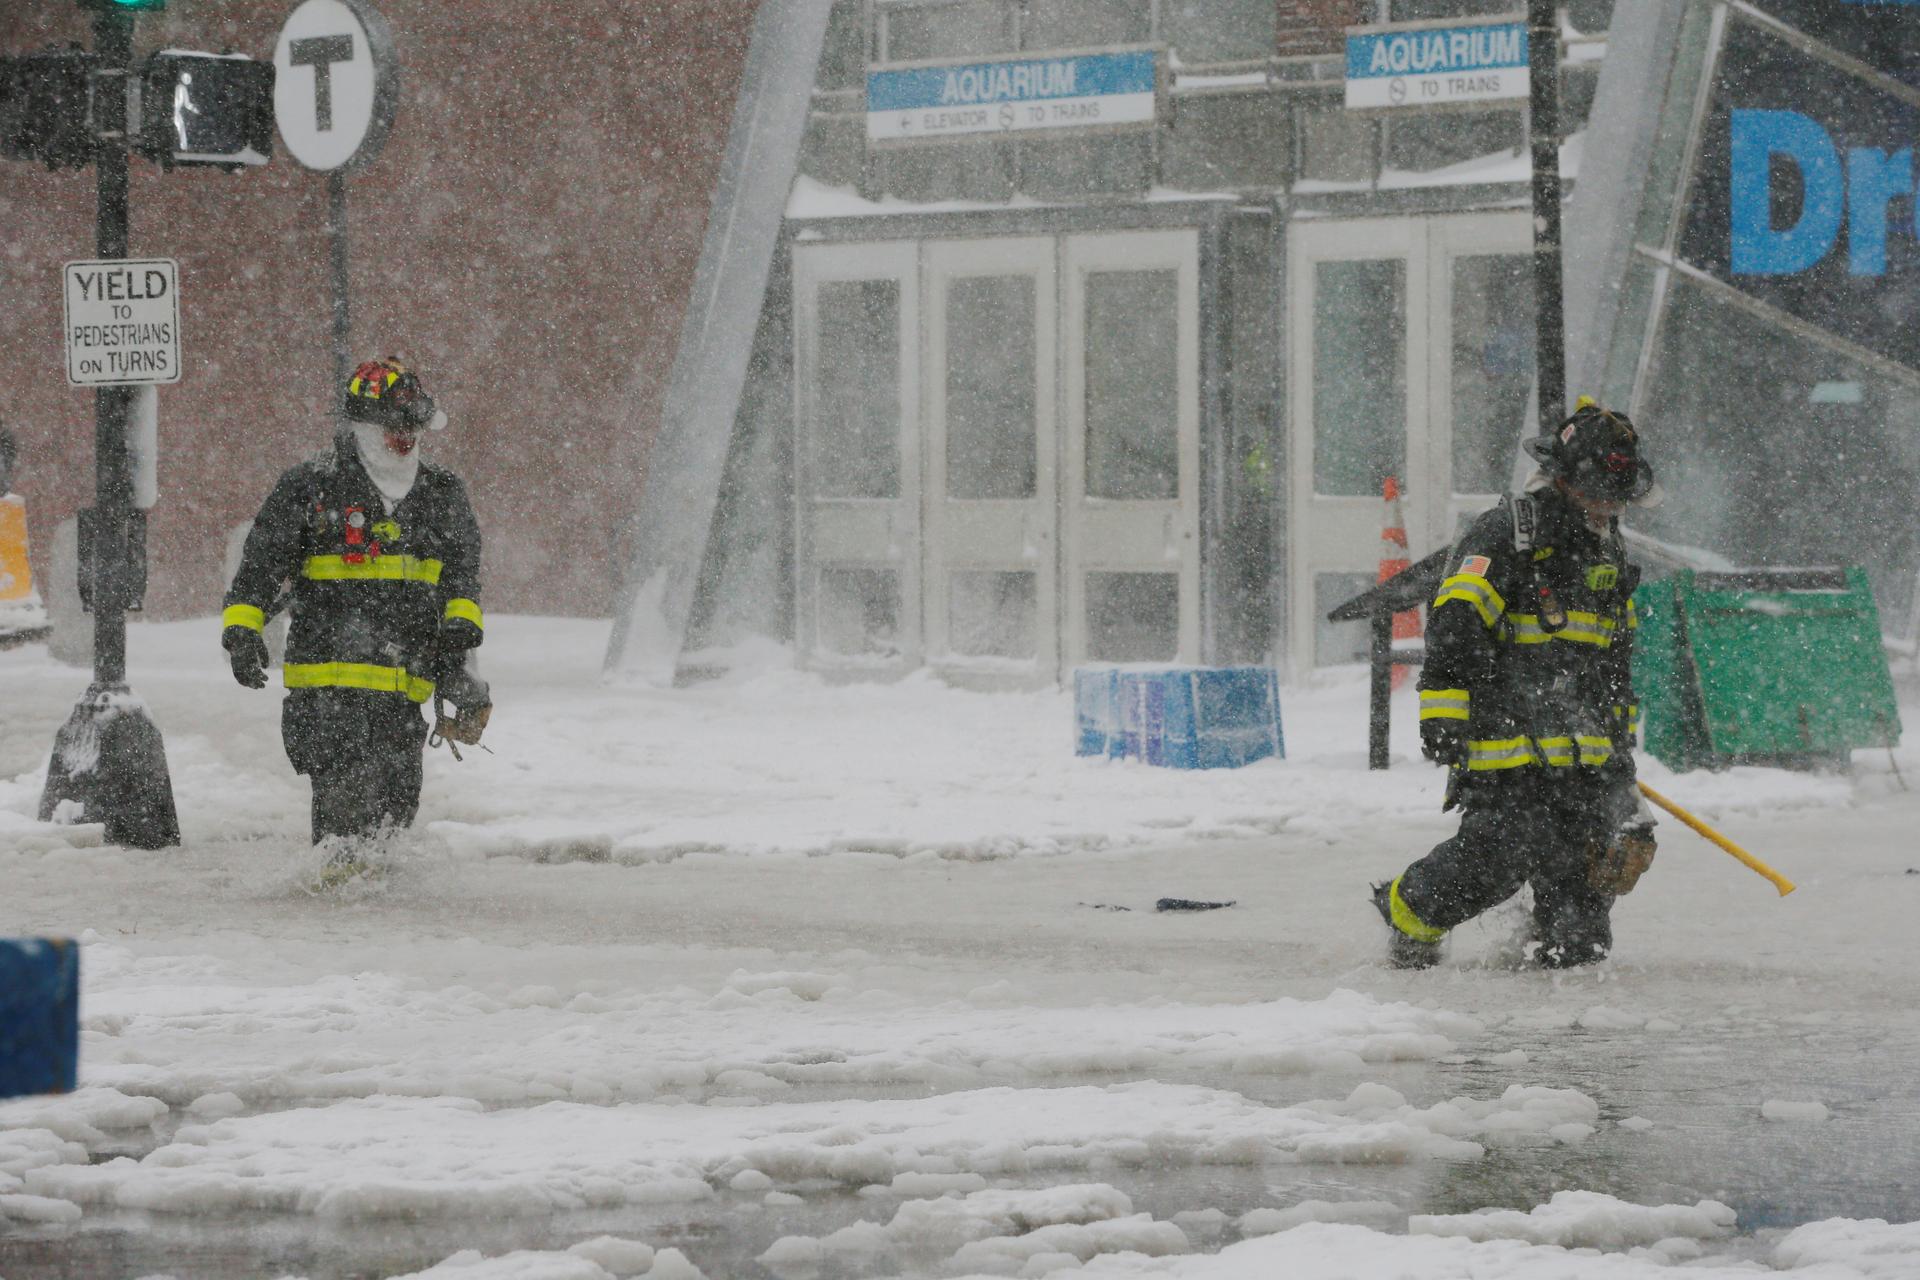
{"type": "Point", "coordinates": [383, 555]}
{"type": "Point", "coordinates": [1526, 695]}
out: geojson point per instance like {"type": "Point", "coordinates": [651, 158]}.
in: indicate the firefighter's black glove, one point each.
{"type": "Point", "coordinates": [247, 651]}
{"type": "Point", "coordinates": [1620, 770]}
{"type": "Point", "coordinates": [457, 635]}
{"type": "Point", "coordinates": [1616, 862]}
{"type": "Point", "coordinates": [445, 666]}
{"type": "Point", "coordinates": [1443, 741]}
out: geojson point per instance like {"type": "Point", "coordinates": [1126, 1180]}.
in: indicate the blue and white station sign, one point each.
{"type": "Point", "coordinates": [955, 99]}
{"type": "Point", "coordinates": [1426, 66]}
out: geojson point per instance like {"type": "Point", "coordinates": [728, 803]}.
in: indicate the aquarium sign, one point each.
{"type": "Point", "coordinates": [955, 100]}
{"type": "Point", "coordinates": [1431, 66]}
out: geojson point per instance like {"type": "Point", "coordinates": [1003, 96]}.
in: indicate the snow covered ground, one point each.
{"type": "Point", "coordinates": [772, 977]}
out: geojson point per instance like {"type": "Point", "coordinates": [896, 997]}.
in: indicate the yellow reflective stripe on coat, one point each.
{"type": "Point", "coordinates": [1633, 614]}
{"type": "Point", "coordinates": [1476, 591]}
{"type": "Point", "coordinates": [461, 607]}
{"type": "Point", "coordinates": [1489, 754]}
{"type": "Point", "coordinates": [357, 675]}
{"type": "Point", "coordinates": [371, 569]}
{"type": "Point", "coordinates": [243, 615]}
{"type": "Point", "coordinates": [1581, 628]}
{"type": "Point", "coordinates": [1406, 921]}
{"type": "Point", "coordinates": [1444, 704]}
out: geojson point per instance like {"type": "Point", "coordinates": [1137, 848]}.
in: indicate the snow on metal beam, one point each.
{"type": "Point", "coordinates": [1615, 167]}
{"type": "Point", "coordinates": [669, 528]}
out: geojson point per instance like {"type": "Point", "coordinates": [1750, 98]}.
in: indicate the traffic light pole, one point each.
{"type": "Point", "coordinates": [1543, 135]}
{"type": "Point", "coordinates": [113, 482]}
{"type": "Point", "coordinates": [108, 759]}
{"type": "Point", "coordinates": [337, 257]}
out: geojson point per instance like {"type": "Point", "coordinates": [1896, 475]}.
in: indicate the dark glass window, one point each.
{"type": "Point", "coordinates": [1359, 374]}
{"type": "Point", "coordinates": [1206, 31]}
{"type": "Point", "coordinates": [991, 388]}
{"type": "Point", "coordinates": [1133, 617]}
{"type": "Point", "coordinates": [992, 614]}
{"type": "Point", "coordinates": [1133, 384]}
{"type": "Point", "coordinates": [856, 400]}
{"type": "Point", "coordinates": [1087, 24]}
{"type": "Point", "coordinates": [964, 28]}
{"type": "Point", "coordinates": [859, 611]}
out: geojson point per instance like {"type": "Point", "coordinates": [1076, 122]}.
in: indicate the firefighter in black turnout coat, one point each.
{"type": "Point", "coordinates": [1526, 696]}
{"type": "Point", "coordinates": [383, 555]}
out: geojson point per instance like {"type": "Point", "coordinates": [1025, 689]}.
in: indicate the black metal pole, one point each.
{"type": "Point", "coordinates": [109, 764]}
{"type": "Point", "coordinates": [342, 313]}
{"type": "Point", "coordinates": [1543, 131]}
{"type": "Point", "coordinates": [1379, 686]}
{"type": "Point", "coordinates": [113, 483]}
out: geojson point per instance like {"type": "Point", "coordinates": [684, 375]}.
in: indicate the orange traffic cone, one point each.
{"type": "Point", "coordinates": [1394, 558]}
{"type": "Point", "coordinates": [16, 576]}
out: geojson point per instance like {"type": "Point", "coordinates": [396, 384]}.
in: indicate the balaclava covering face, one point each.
{"type": "Point", "coordinates": [392, 474]}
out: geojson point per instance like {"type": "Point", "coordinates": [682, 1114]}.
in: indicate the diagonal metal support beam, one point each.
{"type": "Point", "coordinates": [668, 531]}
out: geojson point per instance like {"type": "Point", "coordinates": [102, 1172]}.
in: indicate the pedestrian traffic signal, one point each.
{"type": "Point", "coordinates": [205, 109]}
{"type": "Point", "coordinates": [43, 108]}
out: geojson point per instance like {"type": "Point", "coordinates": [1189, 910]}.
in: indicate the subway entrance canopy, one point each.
{"type": "Point", "coordinates": [1742, 275]}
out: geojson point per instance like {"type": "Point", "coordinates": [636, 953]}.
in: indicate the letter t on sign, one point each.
{"type": "Point", "coordinates": [320, 52]}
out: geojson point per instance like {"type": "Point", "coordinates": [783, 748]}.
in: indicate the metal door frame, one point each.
{"type": "Point", "coordinates": [942, 549]}
{"type": "Point", "coordinates": [1428, 244]}
{"type": "Point", "coordinates": [1093, 528]}
{"type": "Point", "coordinates": [872, 532]}
{"type": "Point", "coordinates": [1507, 233]}
{"type": "Point", "coordinates": [1350, 525]}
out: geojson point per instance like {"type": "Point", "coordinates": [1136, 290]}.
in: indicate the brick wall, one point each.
{"type": "Point", "coordinates": [1318, 26]}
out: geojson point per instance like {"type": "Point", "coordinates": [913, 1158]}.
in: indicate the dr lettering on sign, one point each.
{"type": "Point", "coordinates": [1855, 186]}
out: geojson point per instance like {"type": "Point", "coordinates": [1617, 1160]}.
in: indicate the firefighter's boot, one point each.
{"type": "Point", "coordinates": [1404, 951]}
{"type": "Point", "coordinates": [1569, 936]}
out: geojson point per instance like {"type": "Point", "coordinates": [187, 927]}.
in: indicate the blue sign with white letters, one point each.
{"type": "Point", "coordinates": [1427, 66]}
{"type": "Point", "coordinates": [945, 100]}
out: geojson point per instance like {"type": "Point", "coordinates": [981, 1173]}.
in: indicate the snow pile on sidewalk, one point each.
{"type": "Point", "coordinates": [772, 760]}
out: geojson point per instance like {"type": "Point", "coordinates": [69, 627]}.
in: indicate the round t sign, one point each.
{"type": "Point", "coordinates": [337, 82]}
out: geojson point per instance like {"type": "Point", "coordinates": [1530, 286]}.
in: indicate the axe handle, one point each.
{"type": "Point", "coordinates": [1780, 882]}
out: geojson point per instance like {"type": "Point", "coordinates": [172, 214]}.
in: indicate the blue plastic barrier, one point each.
{"type": "Point", "coordinates": [1179, 717]}
{"type": "Point", "coordinates": [39, 1016]}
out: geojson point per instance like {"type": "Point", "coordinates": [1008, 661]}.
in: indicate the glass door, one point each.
{"type": "Point", "coordinates": [1412, 357]}
{"type": "Point", "coordinates": [1482, 372]}
{"type": "Point", "coordinates": [1357, 395]}
{"type": "Point", "coordinates": [857, 460]}
{"type": "Point", "coordinates": [1131, 433]}
{"type": "Point", "coordinates": [991, 555]}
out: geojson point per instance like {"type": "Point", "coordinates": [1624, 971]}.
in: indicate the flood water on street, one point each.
{"type": "Point", "coordinates": [1701, 1089]}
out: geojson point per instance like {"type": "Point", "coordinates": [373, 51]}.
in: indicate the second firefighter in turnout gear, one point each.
{"type": "Point", "coordinates": [383, 556]}
{"type": "Point", "coordinates": [1527, 696]}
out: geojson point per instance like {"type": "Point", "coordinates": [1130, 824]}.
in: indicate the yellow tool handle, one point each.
{"type": "Point", "coordinates": [1780, 882]}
